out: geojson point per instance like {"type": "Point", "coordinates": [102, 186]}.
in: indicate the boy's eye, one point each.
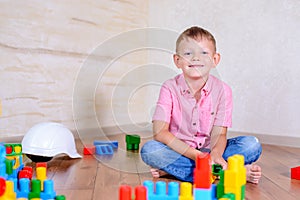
{"type": "Point", "coordinates": [187, 53]}
{"type": "Point", "coordinates": [204, 52]}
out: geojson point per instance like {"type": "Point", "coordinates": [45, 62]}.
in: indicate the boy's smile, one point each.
{"type": "Point", "coordinates": [196, 58]}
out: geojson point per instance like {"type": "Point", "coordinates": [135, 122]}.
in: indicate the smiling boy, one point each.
{"type": "Point", "coordinates": [193, 113]}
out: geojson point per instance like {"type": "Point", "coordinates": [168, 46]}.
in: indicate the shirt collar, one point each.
{"type": "Point", "coordinates": [184, 89]}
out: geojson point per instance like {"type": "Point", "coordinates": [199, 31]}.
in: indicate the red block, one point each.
{"type": "Point", "coordinates": [202, 172]}
{"type": "Point", "coordinates": [125, 192]}
{"type": "Point", "coordinates": [295, 173]}
{"type": "Point", "coordinates": [89, 150]}
{"type": "Point", "coordinates": [41, 164]}
{"type": "Point", "coordinates": [140, 193]}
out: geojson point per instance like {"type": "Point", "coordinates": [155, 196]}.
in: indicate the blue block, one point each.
{"type": "Point", "coordinates": [24, 188]}
{"type": "Point", "coordinates": [161, 193]}
{"type": "Point", "coordinates": [202, 194]}
{"type": "Point", "coordinates": [48, 192]}
{"type": "Point", "coordinates": [113, 143]}
{"type": "Point", "coordinates": [104, 149]}
{"type": "Point", "coordinates": [214, 192]}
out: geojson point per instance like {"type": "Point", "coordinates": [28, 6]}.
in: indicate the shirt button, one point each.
{"type": "Point", "coordinates": [200, 144]}
{"type": "Point", "coordinates": [194, 124]}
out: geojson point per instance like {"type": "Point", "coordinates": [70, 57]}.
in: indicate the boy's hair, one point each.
{"type": "Point", "coordinates": [196, 33]}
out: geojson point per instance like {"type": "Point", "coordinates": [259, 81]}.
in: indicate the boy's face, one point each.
{"type": "Point", "coordinates": [196, 57]}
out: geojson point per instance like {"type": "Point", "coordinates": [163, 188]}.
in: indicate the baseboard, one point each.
{"type": "Point", "coordinates": [271, 139]}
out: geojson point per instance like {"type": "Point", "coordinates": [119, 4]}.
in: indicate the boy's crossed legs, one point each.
{"type": "Point", "coordinates": [166, 161]}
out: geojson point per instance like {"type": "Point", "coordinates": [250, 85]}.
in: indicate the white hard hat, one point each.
{"type": "Point", "coordinates": [49, 139]}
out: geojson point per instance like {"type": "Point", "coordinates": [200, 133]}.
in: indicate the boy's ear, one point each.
{"type": "Point", "coordinates": [216, 59]}
{"type": "Point", "coordinates": [176, 59]}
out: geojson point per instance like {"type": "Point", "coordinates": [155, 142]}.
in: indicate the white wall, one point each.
{"type": "Point", "coordinates": [259, 43]}
{"type": "Point", "coordinates": [45, 44]}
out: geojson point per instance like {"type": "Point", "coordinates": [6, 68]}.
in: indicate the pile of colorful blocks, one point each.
{"type": "Point", "coordinates": [16, 180]}
{"type": "Point", "coordinates": [231, 185]}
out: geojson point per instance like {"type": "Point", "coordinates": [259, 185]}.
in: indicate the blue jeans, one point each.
{"type": "Point", "coordinates": [160, 156]}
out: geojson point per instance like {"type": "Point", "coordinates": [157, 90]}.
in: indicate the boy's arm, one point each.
{"type": "Point", "coordinates": [218, 145]}
{"type": "Point", "coordinates": [163, 135]}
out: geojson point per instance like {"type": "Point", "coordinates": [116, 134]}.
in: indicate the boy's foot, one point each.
{"type": "Point", "coordinates": [156, 173]}
{"type": "Point", "coordinates": [253, 173]}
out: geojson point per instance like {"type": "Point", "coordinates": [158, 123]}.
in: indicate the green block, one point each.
{"type": "Point", "coordinates": [229, 196]}
{"type": "Point", "coordinates": [243, 192]}
{"type": "Point", "coordinates": [60, 197]}
{"type": "Point", "coordinates": [220, 185]}
{"type": "Point", "coordinates": [133, 142]}
{"type": "Point", "coordinates": [216, 169]}
{"type": "Point", "coordinates": [9, 166]}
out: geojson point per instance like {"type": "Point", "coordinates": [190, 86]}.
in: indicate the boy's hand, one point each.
{"type": "Point", "coordinates": [217, 159]}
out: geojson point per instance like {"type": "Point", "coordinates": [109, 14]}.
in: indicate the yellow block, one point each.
{"type": "Point", "coordinates": [186, 192]}
{"type": "Point", "coordinates": [9, 193]}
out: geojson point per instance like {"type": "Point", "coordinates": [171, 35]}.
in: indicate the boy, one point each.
{"type": "Point", "coordinates": [193, 113]}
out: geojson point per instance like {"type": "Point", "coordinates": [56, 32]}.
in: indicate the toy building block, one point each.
{"type": "Point", "coordinates": [41, 174]}
{"type": "Point", "coordinates": [35, 189]}
{"type": "Point", "coordinates": [9, 191]}
{"type": "Point", "coordinates": [186, 192]}
{"type": "Point", "coordinates": [235, 176]}
{"type": "Point", "coordinates": [60, 197]}
{"type": "Point", "coordinates": [114, 144]}
{"type": "Point", "coordinates": [132, 142]}
{"type": "Point", "coordinates": [104, 149]}
{"type": "Point", "coordinates": [202, 172]}
{"type": "Point", "coordinates": [2, 186]}
{"type": "Point", "coordinates": [89, 150]}
{"type": "Point", "coordinates": [48, 192]}
{"type": "Point", "coordinates": [140, 193]}
{"type": "Point", "coordinates": [13, 149]}
{"type": "Point", "coordinates": [125, 192]}
{"type": "Point", "coordinates": [295, 173]}
{"type": "Point", "coordinates": [160, 190]}
{"type": "Point", "coordinates": [24, 188]}
{"type": "Point", "coordinates": [41, 164]}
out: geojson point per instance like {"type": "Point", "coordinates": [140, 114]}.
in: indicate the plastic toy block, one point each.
{"type": "Point", "coordinates": [220, 185]}
{"type": "Point", "coordinates": [104, 149]}
{"type": "Point", "coordinates": [202, 172]}
{"type": "Point", "coordinates": [41, 174]}
{"type": "Point", "coordinates": [114, 143]}
{"type": "Point", "coordinates": [9, 166]}
{"type": "Point", "coordinates": [125, 192]}
{"type": "Point", "coordinates": [9, 191]}
{"type": "Point", "coordinates": [133, 142]}
{"type": "Point", "coordinates": [235, 176]}
{"type": "Point", "coordinates": [60, 197]}
{"type": "Point", "coordinates": [2, 186]}
{"type": "Point", "coordinates": [186, 192]}
{"type": "Point", "coordinates": [216, 168]}
{"type": "Point", "coordinates": [24, 188]}
{"type": "Point", "coordinates": [295, 173]}
{"type": "Point", "coordinates": [48, 192]}
{"type": "Point", "coordinates": [35, 189]}
{"type": "Point", "coordinates": [140, 193]}
{"type": "Point", "coordinates": [2, 153]}
{"type": "Point", "coordinates": [89, 150]}
{"type": "Point", "coordinates": [160, 190]}
{"type": "Point", "coordinates": [13, 149]}
{"type": "Point", "coordinates": [41, 164]}
{"type": "Point", "coordinates": [203, 193]}
{"type": "Point", "coordinates": [228, 196]}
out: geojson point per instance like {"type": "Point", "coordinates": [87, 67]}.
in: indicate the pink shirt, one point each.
{"type": "Point", "coordinates": [191, 120]}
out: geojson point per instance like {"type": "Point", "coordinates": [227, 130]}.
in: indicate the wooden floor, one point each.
{"type": "Point", "coordinates": [100, 177]}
